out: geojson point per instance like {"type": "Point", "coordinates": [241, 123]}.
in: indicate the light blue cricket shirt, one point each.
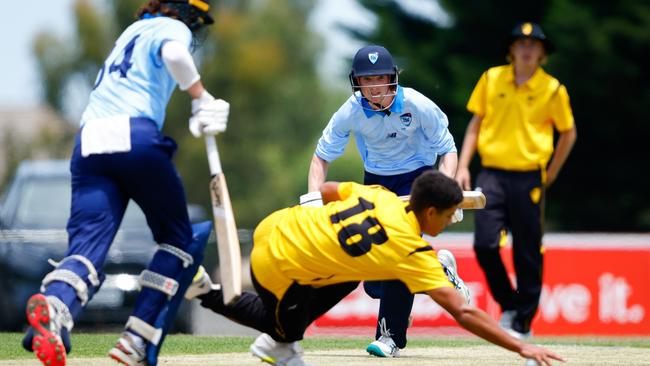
{"type": "Point", "coordinates": [134, 80]}
{"type": "Point", "coordinates": [411, 136]}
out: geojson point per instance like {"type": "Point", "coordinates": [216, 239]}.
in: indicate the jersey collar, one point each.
{"type": "Point", "coordinates": [531, 83]}
{"type": "Point", "coordinates": [397, 107]}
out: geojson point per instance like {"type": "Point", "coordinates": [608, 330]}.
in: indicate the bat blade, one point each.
{"type": "Point", "coordinates": [472, 200]}
{"type": "Point", "coordinates": [227, 239]}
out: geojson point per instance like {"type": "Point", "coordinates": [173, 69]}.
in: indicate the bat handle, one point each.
{"type": "Point", "coordinates": [213, 155]}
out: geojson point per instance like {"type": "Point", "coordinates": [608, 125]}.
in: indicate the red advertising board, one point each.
{"type": "Point", "coordinates": [593, 284]}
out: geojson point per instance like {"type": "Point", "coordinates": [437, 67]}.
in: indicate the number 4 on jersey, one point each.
{"type": "Point", "coordinates": [124, 66]}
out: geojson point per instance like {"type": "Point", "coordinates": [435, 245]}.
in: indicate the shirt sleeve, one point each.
{"type": "Point", "coordinates": [335, 136]}
{"type": "Point", "coordinates": [560, 109]}
{"type": "Point", "coordinates": [174, 30]}
{"type": "Point", "coordinates": [422, 271]}
{"type": "Point", "coordinates": [435, 127]}
{"type": "Point", "coordinates": [477, 101]}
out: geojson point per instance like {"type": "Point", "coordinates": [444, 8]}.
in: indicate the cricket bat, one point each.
{"type": "Point", "coordinates": [472, 200]}
{"type": "Point", "coordinates": [224, 226]}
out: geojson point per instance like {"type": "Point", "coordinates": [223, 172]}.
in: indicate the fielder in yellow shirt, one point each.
{"type": "Point", "coordinates": [517, 108]}
{"type": "Point", "coordinates": [306, 259]}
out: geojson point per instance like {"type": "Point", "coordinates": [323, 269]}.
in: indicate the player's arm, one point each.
{"type": "Point", "coordinates": [209, 115]}
{"type": "Point", "coordinates": [330, 192]}
{"type": "Point", "coordinates": [448, 164]}
{"type": "Point", "coordinates": [467, 152]}
{"type": "Point", "coordinates": [480, 323]}
{"type": "Point", "coordinates": [564, 145]}
{"type": "Point", "coordinates": [317, 173]}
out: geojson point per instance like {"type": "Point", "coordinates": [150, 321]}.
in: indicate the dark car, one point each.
{"type": "Point", "coordinates": [33, 216]}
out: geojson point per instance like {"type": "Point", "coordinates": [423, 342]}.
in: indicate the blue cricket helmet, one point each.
{"type": "Point", "coordinates": [371, 61]}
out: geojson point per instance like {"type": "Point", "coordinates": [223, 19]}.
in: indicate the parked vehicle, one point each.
{"type": "Point", "coordinates": [33, 216]}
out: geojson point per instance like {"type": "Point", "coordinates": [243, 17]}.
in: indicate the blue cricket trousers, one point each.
{"type": "Point", "coordinates": [102, 185]}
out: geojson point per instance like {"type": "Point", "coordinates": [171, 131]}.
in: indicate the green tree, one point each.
{"type": "Point", "coordinates": [600, 48]}
{"type": "Point", "coordinates": [260, 57]}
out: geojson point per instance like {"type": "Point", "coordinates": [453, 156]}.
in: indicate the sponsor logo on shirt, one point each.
{"type": "Point", "coordinates": [406, 119]}
{"type": "Point", "coordinates": [391, 135]}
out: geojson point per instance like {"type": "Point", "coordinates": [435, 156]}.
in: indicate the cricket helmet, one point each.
{"type": "Point", "coordinates": [371, 61]}
{"type": "Point", "coordinates": [532, 31]}
{"type": "Point", "coordinates": [194, 13]}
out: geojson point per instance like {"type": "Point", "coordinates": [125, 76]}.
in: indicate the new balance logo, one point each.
{"type": "Point", "coordinates": [391, 135]}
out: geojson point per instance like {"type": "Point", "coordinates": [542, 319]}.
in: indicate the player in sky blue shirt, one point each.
{"type": "Point", "coordinates": [400, 133]}
{"type": "Point", "coordinates": [120, 155]}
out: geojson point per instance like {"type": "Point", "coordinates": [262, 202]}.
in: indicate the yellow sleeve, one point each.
{"type": "Point", "coordinates": [560, 110]}
{"type": "Point", "coordinates": [477, 101]}
{"type": "Point", "coordinates": [345, 189]}
{"type": "Point", "coordinates": [422, 272]}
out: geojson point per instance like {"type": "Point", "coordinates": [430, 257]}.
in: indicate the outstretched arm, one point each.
{"type": "Point", "coordinates": [478, 322]}
{"type": "Point", "coordinates": [330, 192]}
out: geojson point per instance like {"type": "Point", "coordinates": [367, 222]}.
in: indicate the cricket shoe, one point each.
{"type": "Point", "coordinates": [128, 352]}
{"type": "Point", "coordinates": [517, 334]}
{"type": "Point", "coordinates": [507, 317]}
{"type": "Point", "coordinates": [201, 284]}
{"type": "Point", "coordinates": [46, 323]}
{"type": "Point", "coordinates": [384, 346]}
{"type": "Point", "coordinates": [277, 353]}
{"type": "Point", "coordinates": [448, 262]}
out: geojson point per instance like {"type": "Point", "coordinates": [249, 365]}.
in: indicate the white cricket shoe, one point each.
{"type": "Point", "coordinates": [384, 346]}
{"type": "Point", "coordinates": [507, 316]}
{"type": "Point", "coordinates": [127, 352]}
{"type": "Point", "coordinates": [519, 335]}
{"type": "Point", "coordinates": [46, 318]}
{"type": "Point", "coordinates": [201, 284]}
{"type": "Point", "coordinates": [277, 353]}
{"type": "Point", "coordinates": [448, 262]}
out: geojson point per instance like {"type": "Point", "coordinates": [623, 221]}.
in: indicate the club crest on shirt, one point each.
{"type": "Point", "coordinates": [373, 57]}
{"type": "Point", "coordinates": [406, 119]}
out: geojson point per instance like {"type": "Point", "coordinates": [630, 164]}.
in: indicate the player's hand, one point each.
{"type": "Point", "coordinates": [458, 216]}
{"type": "Point", "coordinates": [311, 199]}
{"type": "Point", "coordinates": [464, 179]}
{"type": "Point", "coordinates": [540, 354]}
{"type": "Point", "coordinates": [209, 115]}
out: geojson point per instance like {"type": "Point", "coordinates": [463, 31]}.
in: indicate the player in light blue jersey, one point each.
{"type": "Point", "coordinates": [400, 133]}
{"type": "Point", "coordinates": [120, 154]}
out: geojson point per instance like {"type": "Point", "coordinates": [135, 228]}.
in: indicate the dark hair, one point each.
{"type": "Point", "coordinates": [154, 7]}
{"type": "Point", "coordinates": [432, 188]}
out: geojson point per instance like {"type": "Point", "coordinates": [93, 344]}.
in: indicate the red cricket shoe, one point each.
{"type": "Point", "coordinates": [47, 344]}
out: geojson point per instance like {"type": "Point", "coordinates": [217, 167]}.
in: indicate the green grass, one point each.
{"type": "Point", "coordinates": [98, 344]}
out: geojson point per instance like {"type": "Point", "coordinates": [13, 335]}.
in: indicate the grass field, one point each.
{"type": "Point", "coordinates": [182, 350]}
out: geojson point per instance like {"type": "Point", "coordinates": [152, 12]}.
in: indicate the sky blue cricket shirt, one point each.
{"type": "Point", "coordinates": [134, 79]}
{"type": "Point", "coordinates": [413, 135]}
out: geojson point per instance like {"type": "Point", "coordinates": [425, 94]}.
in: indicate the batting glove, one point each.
{"type": "Point", "coordinates": [311, 199]}
{"type": "Point", "coordinates": [458, 216]}
{"type": "Point", "coordinates": [209, 115]}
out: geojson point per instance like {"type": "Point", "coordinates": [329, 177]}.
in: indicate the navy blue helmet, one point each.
{"type": "Point", "coordinates": [371, 61]}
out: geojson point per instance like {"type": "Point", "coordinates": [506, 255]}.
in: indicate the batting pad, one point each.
{"type": "Point", "coordinates": [200, 234]}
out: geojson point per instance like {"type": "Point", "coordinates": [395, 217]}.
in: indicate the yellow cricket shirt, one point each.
{"type": "Point", "coordinates": [368, 235]}
{"type": "Point", "coordinates": [517, 128]}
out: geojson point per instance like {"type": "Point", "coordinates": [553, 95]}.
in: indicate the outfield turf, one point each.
{"type": "Point", "coordinates": [212, 350]}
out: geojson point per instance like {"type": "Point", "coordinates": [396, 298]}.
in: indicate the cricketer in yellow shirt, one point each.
{"type": "Point", "coordinates": [517, 109]}
{"type": "Point", "coordinates": [305, 260]}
